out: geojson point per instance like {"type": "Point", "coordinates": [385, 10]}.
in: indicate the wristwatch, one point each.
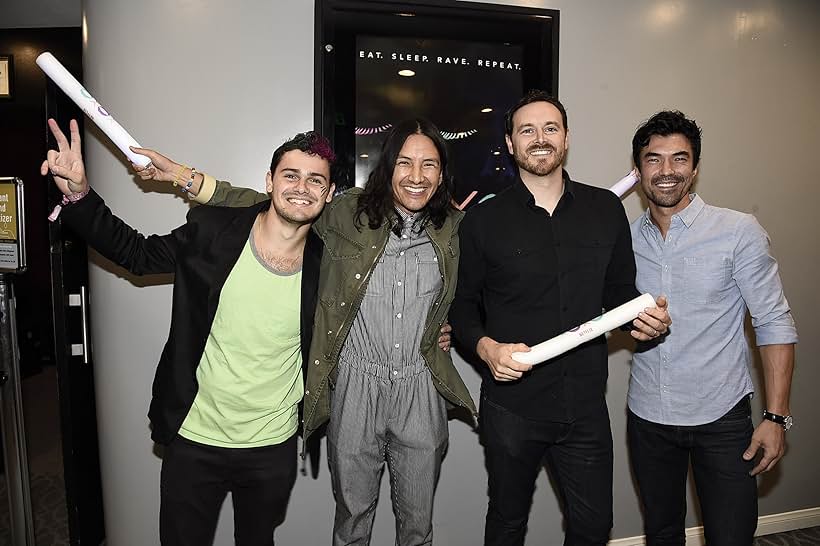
{"type": "Point", "coordinates": [784, 421]}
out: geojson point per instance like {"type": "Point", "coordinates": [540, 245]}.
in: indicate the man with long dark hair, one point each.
{"type": "Point", "coordinates": [375, 370]}
{"type": "Point", "coordinates": [541, 257]}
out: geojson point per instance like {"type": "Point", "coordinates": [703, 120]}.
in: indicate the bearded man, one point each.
{"type": "Point", "coordinates": [538, 259]}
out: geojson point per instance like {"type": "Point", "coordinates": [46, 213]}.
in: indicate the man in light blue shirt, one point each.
{"type": "Point", "coordinates": [689, 390]}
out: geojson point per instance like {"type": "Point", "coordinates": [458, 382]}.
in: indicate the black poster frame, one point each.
{"type": "Point", "coordinates": [339, 22]}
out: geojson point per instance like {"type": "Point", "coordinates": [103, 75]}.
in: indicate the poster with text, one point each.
{"type": "Point", "coordinates": [463, 87]}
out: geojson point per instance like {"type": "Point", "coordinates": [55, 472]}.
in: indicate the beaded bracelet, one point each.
{"type": "Point", "coordinates": [187, 187]}
{"type": "Point", "coordinates": [178, 175]}
{"type": "Point", "coordinates": [67, 199]}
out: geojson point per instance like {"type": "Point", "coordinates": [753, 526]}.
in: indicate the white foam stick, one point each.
{"type": "Point", "coordinates": [586, 331]}
{"type": "Point", "coordinates": [624, 184]}
{"type": "Point", "coordinates": [88, 104]}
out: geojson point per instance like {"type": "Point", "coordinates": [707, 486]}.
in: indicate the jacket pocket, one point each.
{"type": "Point", "coordinates": [338, 269]}
{"type": "Point", "coordinates": [340, 246]}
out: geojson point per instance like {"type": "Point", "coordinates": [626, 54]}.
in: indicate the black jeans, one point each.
{"type": "Point", "coordinates": [660, 456]}
{"type": "Point", "coordinates": [578, 456]}
{"type": "Point", "coordinates": [196, 478]}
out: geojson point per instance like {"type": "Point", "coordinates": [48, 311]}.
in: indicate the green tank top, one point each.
{"type": "Point", "coordinates": [250, 374]}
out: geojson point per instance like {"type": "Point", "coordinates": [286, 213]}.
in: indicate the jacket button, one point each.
{"type": "Point", "coordinates": [358, 276]}
{"type": "Point", "coordinates": [316, 362]}
{"type": "Point", "coordinates": [328, 333]}
{"type": "Point", "coordinates": [342, 304]}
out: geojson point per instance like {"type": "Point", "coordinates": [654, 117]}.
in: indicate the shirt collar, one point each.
{"type": "Point", "coordinates": [692, 210]}
{"type": "Point", "coordinates": [408, 221]}
{"type": "Point", "coordinates": [687, 215]}
{"type": "Point", "coordinates": [525, 196]}
{"type": "Point", "coordinates": [404, 215]}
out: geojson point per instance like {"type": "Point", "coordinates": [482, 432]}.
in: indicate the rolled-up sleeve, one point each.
{"type": "Point", "coordinates": [756, 274]}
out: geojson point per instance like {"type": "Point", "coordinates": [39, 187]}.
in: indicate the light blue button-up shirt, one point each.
{"type": "Point", "coordinates": [713, 265]}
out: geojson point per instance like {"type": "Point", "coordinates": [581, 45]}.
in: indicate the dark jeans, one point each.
{"type": "Point", "coordinates": [579, 458]}
{"type": "Point", "coordinates": [196, 478]}
{"type": "Point", "coordinates": [660, 456]}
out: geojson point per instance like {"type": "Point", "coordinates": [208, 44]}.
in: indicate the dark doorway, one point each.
{"type": "Point", "coordinates": [57, 388]}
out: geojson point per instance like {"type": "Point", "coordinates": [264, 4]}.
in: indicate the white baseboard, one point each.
{"type": "Point", "coordinates": [788, 521]}
{"type": "Point", "coordinates": [766, 525]}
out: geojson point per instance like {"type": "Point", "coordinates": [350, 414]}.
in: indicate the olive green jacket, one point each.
{"type": "Point", "coordinates": [351, 254]}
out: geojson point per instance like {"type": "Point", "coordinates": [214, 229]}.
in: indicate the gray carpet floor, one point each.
{"type": "Point", "coordinates": [799, 537]}
{"type": "Point", "coordinates": [48, 505]}
{"type": "Point", "coordinates": [40, 408]}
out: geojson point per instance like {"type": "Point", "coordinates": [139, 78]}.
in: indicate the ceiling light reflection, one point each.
{"type": "Point", "coordinates": [665, 13]}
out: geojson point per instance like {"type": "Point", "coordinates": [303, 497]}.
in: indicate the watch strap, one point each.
{"type": "Point", "coordinates": [785, 421]}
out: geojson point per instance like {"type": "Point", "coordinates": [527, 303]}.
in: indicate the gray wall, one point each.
{"type": "Point", "coordinates": [40, 13]}
{"type": "Point", "coordinates": [219, 86]}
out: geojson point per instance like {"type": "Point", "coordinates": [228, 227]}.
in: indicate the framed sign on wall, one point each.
{"type": "Point", "coordinates": [12, 226]}
{"type": "Point", "coordinates": [462, 65]}
{"type": "Point", "coordinates": [6, 76]}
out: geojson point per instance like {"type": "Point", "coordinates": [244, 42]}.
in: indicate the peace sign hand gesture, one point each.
{"type": "Point", "coordinates": [66, 163]}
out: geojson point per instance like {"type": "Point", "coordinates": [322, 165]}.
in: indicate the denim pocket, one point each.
{"type": "Point", "coordinates": [742, 411]}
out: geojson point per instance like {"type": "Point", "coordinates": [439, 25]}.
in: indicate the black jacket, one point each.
{"type": "Point", "coordinates": [201, 253]}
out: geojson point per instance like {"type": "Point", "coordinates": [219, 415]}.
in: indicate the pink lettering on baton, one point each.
{"type": "Point", "coordinates": [467, 201]}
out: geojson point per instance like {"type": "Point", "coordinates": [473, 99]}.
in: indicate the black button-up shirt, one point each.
{"type": "Point", "coordinates": [527, 276]}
